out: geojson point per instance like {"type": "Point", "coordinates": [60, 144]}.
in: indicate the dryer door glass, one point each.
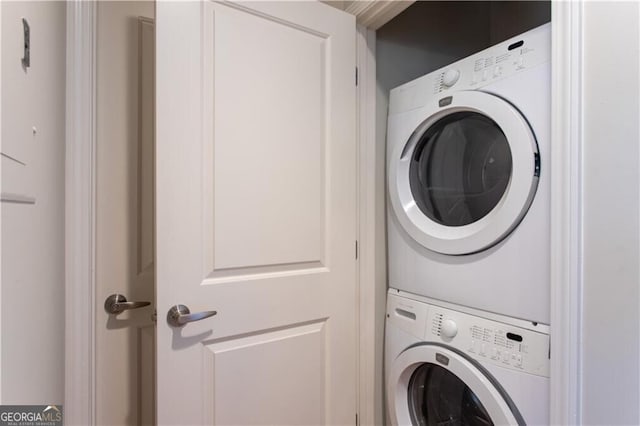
{"type": "Point", "coordinates": [438, 397]}
{"type": "Point", "coordinates": [460, 168]}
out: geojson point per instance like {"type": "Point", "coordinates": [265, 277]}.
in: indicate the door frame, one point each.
{"type": "Point", "coordinates": [80, 213]}
{"type": "Point", "coordinates": [566, 252]}
{"type": "Point", "coordinates": [566, 209]}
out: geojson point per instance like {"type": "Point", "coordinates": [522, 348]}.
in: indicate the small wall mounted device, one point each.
{"type": "Point", "coordinates": [26, 58]}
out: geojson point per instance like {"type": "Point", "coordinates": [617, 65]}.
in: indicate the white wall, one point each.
{"type": "Point", "coordinates": [510, 18]}
{"type": "Point", "coordinates": [427, 36]}
{"type": "Point", "coordinates": [338, 4]}
{"type": "Point", "coordinates": [32, 325]}
{"type": "Point", "coordinates": [611, 294]}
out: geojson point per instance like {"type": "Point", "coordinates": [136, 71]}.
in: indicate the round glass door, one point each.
{"type": "Point", "coordinates": [460, 168]}
{"type": "Point", "coordinates": [466, 176]}
{"type": "Point", "coordinates": [430, 384]}
{"type": "Point", "coordinates": [438, 397]}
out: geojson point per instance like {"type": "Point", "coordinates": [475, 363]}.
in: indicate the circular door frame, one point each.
{"type": "Point", "coordinates": [494, 399]}
{"type": "Point", "coordinates": [506, 214]}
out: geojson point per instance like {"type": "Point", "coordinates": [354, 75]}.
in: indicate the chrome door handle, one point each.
{"type": "Point", "coordinates": [117, 304]}
{"type": "Point", "coordinates": [180, 315]}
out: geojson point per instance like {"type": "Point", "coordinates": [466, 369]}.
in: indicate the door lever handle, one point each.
{"type": "Point", "coordinates": [180, 315]}
{"type": "Point", "coordinates": [117, 304]}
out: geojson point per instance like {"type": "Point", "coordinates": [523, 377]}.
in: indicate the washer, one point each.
{"type": "Point", "coordinates": [468, 180]}
{"type": "Point", "coordinates": [454, 365]}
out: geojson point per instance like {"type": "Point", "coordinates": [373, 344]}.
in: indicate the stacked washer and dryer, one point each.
{"type": "Point", "coordinates": [467, 335]}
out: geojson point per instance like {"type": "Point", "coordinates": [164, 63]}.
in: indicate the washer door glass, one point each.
{"type": "Point", "coordinates": [460, 168]}
{"type": "Point", "coordinates": [438, 397]}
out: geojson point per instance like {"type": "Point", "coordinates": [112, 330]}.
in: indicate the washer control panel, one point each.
{"type": "Point", "coordinates": [507, 342]}
{"type": "Point", "coordinates": [491, 341]}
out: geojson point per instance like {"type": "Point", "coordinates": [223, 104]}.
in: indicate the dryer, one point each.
{"type": "Point", "coordinates": [468, 180]}
{"type": "Point", "coordinates": [458, 366]}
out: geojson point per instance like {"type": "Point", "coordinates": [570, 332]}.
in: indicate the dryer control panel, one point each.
{"type": "Point", "coordinates": [498, 340]}
{"type": "Point", "coordinates": [486, 67]}
{"type": "Point", "coordinates": [504, 59]}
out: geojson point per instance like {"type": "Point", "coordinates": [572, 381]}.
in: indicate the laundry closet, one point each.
{"type": "Point", "coordinates": [466, 183]}
{"type": "Point", "coordinates": [272, 211]}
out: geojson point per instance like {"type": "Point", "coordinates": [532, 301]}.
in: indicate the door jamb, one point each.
{"type": "Point", "coordinates": [80, 212]}
{"type": "Point", "coordinates": [566, 252]}
{"type": "Point", "coordinates": [372, 281]}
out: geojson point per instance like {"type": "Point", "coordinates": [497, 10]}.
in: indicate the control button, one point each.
{"type": "Point", "coordinates": [519, 360]}
{"type": "Point", "coordinates": [449, 329]}
{"type": "Point", "coordinates": [483, 349]}
{"type": "Point", "coordinates": [472, 348]}
{"type": "Point", "coordinates": [450, 77]}
{"type": "Point", "coordinates": [495, 354]}
{"type": "Point", "coordinates": [505, 356]}
{"type": "Point", "coordinates": [485, 74]}
{"type": "Point", "coordinates": [520, 63]}
{"type": "Point", "coordinates": [497, 71]}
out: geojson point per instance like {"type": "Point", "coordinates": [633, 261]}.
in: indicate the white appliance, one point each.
{"type": "Point", "coordinates": [454, 365]}
{"type": "Point", "coordinates": [468, 180]}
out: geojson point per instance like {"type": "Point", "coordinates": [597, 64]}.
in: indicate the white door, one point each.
{"type": "Point", "coordinates": [256, 213]}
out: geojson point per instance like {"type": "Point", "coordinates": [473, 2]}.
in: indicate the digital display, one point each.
{"type": "Point", "coordinates": [516, 337]}
{"type": "Point", "coordinates": [516, 45]}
